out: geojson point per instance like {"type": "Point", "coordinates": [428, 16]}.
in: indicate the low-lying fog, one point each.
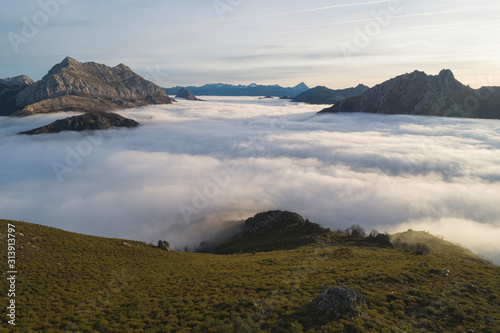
{"type": "Point", "coordinates": [193, 165]}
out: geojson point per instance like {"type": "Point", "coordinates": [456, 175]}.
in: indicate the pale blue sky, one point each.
{"type": "Point", "coordinates": [243, 41]}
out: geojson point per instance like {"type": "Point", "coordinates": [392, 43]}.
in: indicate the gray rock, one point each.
{"type": "Point", "coordinates": [341, 301]}
{"type": "Point", "coordinates": [259, 222]}
{"type": "Point", "coordinates": [164, 245]}
{"type": "Point", "coordinates": [75, 86]}
{"type": "Point", "coordinates": [17, 81]}
{"type": "Point", "coordinates": [183, 93]}
{"type": "Point", "coordinates": [85, 122]}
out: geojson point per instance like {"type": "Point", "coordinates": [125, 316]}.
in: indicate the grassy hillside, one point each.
{"type": "Point", "coordinates": [78, 283]}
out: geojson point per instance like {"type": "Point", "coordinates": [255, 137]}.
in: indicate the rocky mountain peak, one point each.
{"type": "Point", "coordinates": [415, 93]}
{"type": "Point", "coordinates": [88, 87]}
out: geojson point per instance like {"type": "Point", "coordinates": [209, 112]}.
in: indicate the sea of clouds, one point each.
{"type": "Point", "coordinates": [193, 168]}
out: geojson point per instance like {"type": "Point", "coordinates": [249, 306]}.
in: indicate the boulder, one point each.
{"type": "Point", "coordinates": [164, 245]}
{"type": "Point", "coordinates": [341, 301]}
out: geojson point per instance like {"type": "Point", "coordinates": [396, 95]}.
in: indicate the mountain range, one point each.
{"type": "Point", "coordinates": [420, 94]}
{"type": "Point", "coordinates": [221, 89]}
{"type": "Point", "coordinates": [82, 87]}
{"type": "Point", "coordinates": [324, 95]}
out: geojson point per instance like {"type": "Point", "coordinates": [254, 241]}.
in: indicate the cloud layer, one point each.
{"type": "Point", "coordinates": [194, 166]}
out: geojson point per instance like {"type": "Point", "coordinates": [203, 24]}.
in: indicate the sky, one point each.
{"type": "Point", "coordinates": [193, 167]}
{"type": "Point", "coordinates": [338, 44]}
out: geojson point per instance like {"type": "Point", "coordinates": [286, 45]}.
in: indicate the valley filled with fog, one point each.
{"type": "Point", "coordinates": [192, 168]}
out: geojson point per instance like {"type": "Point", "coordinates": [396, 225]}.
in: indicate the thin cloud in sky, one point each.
{"type": "Point", "coordinates": [306, 10]}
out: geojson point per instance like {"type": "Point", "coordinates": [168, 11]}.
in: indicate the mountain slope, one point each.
{"type": "Point", "coordinates": [9, 89]}
{"type": "Point", "coordinates": [420, 94]}
{"type": "Point", "coordinates": [78, 283]}
{"type": "Point", "coordinates": [324, 95]}
{"type": "Point", "coordinates": [74, 86]}
{"type": "Point", "coordinates": [221, 89]}
{"type": "Point", "coordinates": [86, 122]}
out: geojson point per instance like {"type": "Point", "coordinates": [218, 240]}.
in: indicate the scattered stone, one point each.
{"type": "Point", "coordinates": [341, 301]}
{"type": "Point", "coordinates": [424, 264]}
{"type": "Point", "coordinates": [164, 245]}
{"type": "Point", "coordinates": [489, 320]}
{"type": "Point", "coordinates": [126, 244]}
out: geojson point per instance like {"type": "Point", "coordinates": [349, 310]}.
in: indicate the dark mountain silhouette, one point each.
{"type": "Point", "coordinates": [85, 122]}
{"type": "Point", "coordinates": [183, 93]}
{"type": "Point", "coordinates": [324, 95]}
{"type": "Point", "coordinates": [9, 89]}
{"type": "Point", "coordinates": [420, 94]}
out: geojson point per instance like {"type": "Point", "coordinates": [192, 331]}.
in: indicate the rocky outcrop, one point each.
{"type": "Point", "coordinates": [183, 93]}
{"type": "Point", "coordinates": [85, 122]}
{"type": "Point", "coordinates": [420, 94]}
{"type": "Point", "coordinates": [163, 245]}
{"type": "Point", "coordinates": [340, 302]}
{"type": "Point", "coordinates": [324, 95]}
{"type": "Point", "coordinates": [262, 221]}
{"type": "Point", "coordinates": [9, 89]}
{"type": "Point", "coordinates": [88, 87]}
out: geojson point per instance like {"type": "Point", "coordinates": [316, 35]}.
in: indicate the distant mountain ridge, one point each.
{"type": "Point", "coordinates": [420, 94]}
{"type": "Point", "coordinates": [87, 87]}
{"type": "Point", "coordinates": [222, 89]}
{"type": "Point", "coordinates": [324, 95]}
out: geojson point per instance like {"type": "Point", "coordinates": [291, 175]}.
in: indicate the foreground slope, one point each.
{"type": "Point", "coordinates": [78, 283]}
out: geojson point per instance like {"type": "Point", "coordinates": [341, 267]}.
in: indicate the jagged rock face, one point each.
{"type": "Point", "coordinates": [340, 301]}
{"type": "Point", "coordinates": [164, 245]}
{"type": "Point", "coordinates": [261, 221]}
{"type": "Point", "coordinates": [324, 95]}
{"type": "Point", "coordinates": [183, 93]}
{"type": "Point", "coordinates": [72, 85]}
{"type": "Point", "coordinates": [415, 94]}
{"type": "Point", "coordinates": [9, 90]}
{"type": "Point", "coordinates": [85, 122]}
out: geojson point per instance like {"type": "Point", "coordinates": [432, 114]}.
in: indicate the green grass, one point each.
{"type": "Point", "coordinates": [78, 283]}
